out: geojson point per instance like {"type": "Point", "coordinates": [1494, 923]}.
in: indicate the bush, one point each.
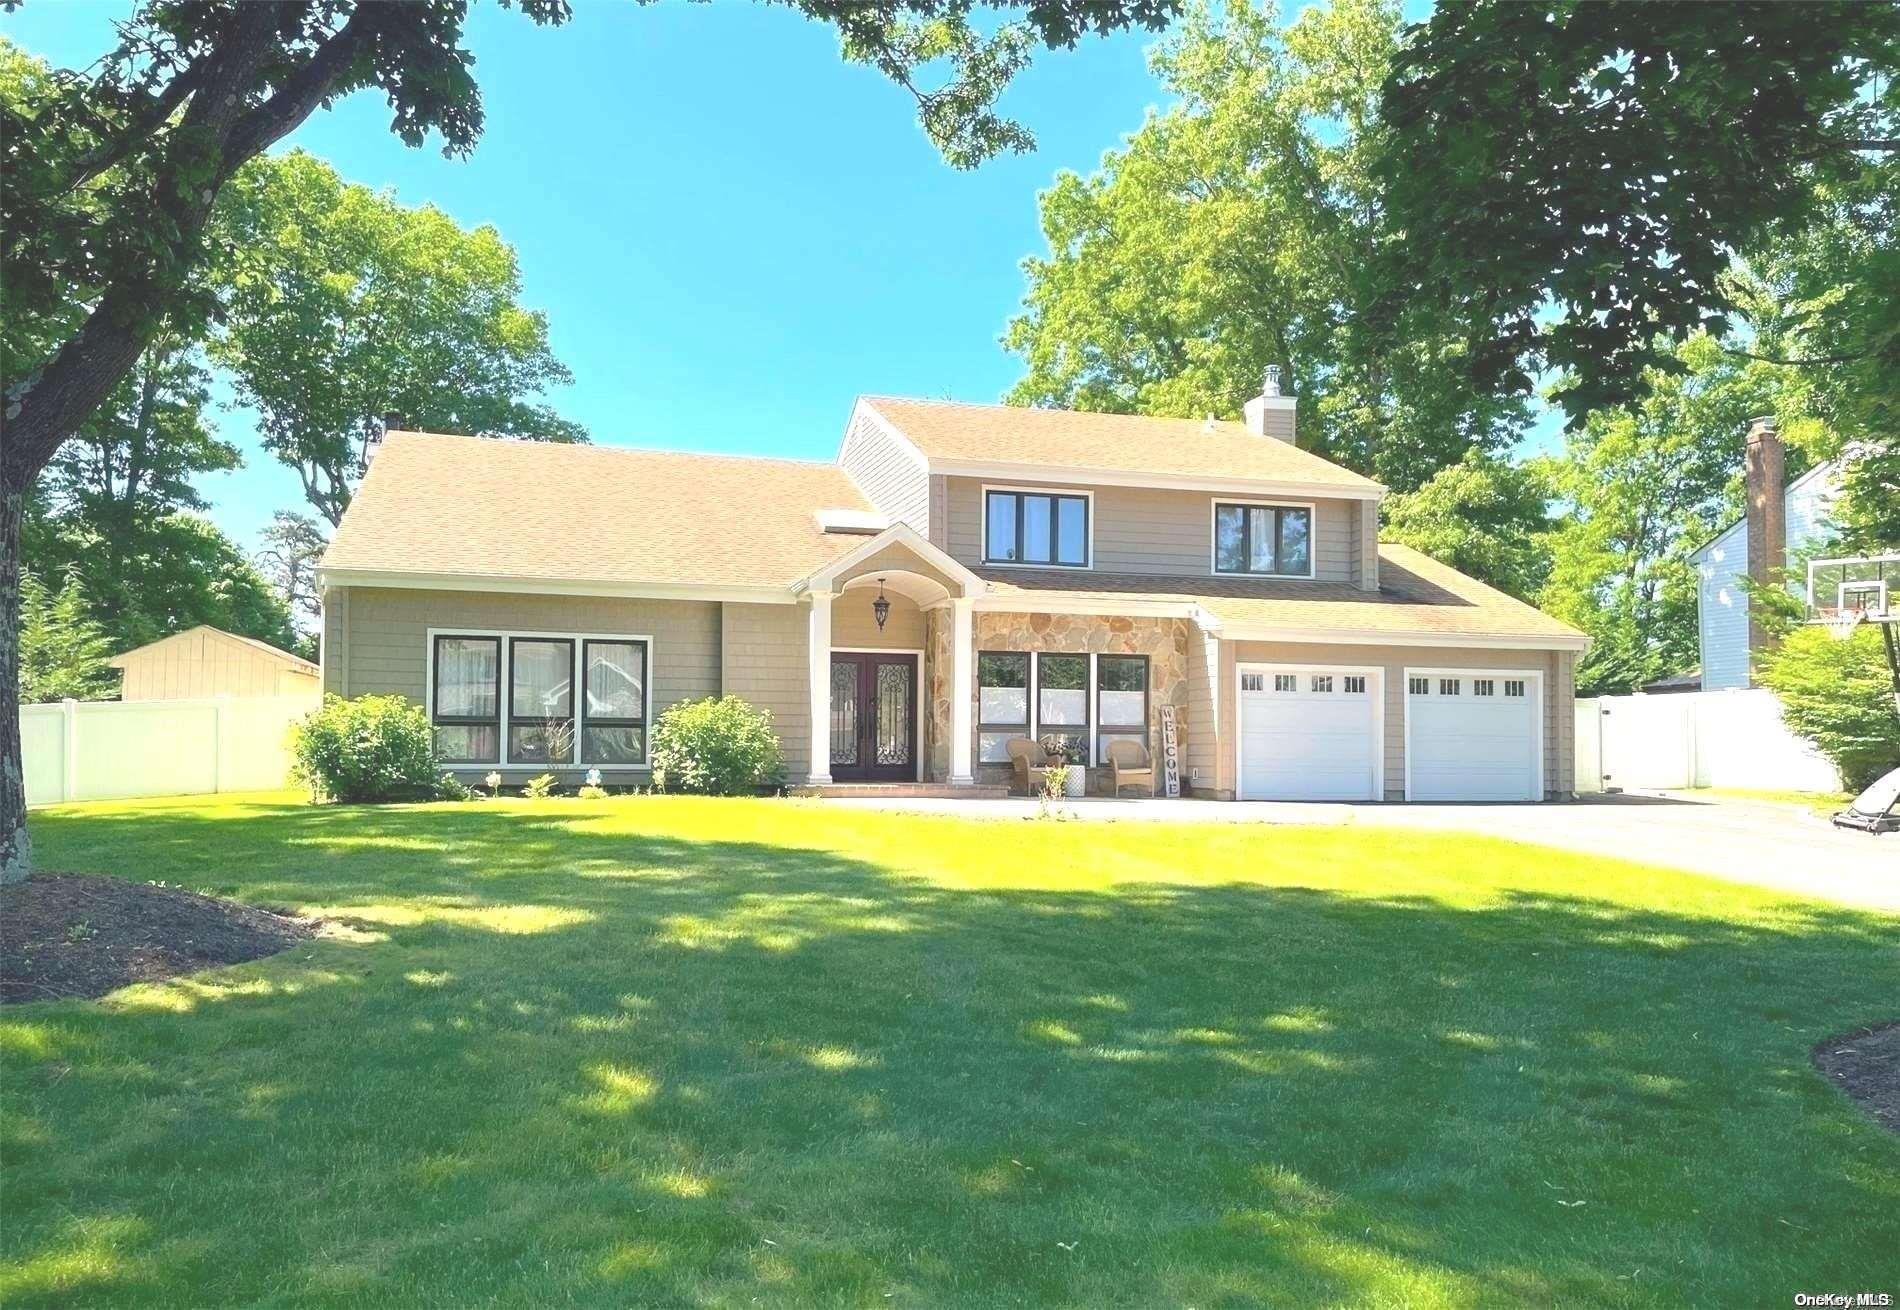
{"type": "Point", "coordinates": [719, 746]}
{"type": "Point", "coordinates": [1838, 695]}
{"type": "Point", "coordinates": [373, 748]}
{"type": "Point", "coordinates": [539, 787]}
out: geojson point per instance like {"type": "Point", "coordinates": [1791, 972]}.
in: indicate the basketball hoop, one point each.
{"type": "Point", "coordinates": [1840, 624]}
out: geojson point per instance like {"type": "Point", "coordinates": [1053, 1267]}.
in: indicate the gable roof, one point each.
{"type": "Point", "coordinates": [1417, 597]}
{"type": "Point", "coordinates": [295, 662]}
{"type": "Point", "coordinates": [478, 507]}
{"type": "Point", "coordinates": [955, 437]}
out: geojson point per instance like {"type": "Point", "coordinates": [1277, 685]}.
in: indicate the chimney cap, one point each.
{"type": "Point", "coordinates": [392, 422]}
{"type": "Point", "coordinates": [1270, 384]}
{"type": "Point", "coordinates": [1763, 426]}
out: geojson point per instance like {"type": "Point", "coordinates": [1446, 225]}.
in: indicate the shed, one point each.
{"type": "Point", "coordinates": [207, 661]}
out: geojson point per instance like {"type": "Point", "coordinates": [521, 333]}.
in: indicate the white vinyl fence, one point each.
{"type": "Point", "coordinates": [109, 750]}
{"type": "Point", "coordinates": [1694, 739]}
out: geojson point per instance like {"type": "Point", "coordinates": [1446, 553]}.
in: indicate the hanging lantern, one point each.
{"type": "Point", "coordinates": [880, 608]}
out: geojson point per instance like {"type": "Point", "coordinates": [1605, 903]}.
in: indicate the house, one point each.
{"type": "Point", "coordinates": [207, 661]}
{"type": "Point", "coordinates": [958, 576]}
{"type": "Point", "coordinates": [1783, 519]}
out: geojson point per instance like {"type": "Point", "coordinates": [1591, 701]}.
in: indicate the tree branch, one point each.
{"type": "Point", "coordinates": [1847, 358]}
{"type": "Point", "coordinates": [107, 153]}
{"type": "Point", "coordinates": [305, 89]}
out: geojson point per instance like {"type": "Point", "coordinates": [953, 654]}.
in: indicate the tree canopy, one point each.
{"type": "Point", "coordinates": [339, 305]}
{"type": "Point", "coordinates": [1607, 160]}
{"type": "Point", "coordinates": [1484, 516]}
{"type": "Point", "coordinates": [1241, 228]}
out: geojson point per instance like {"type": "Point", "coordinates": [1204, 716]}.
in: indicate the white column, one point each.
{"type": "Point", "coordinates": [962, 690]}
{"type": "Point", "coordinates": [818, 642]}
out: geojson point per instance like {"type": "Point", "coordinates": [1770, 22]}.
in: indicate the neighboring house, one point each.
{"type": "Point", "coordinates": [1044, 572]}
{"type": "Point", "coordinates": [207, 661]}
{"type": "Point", "coordinates": [1782, 521]}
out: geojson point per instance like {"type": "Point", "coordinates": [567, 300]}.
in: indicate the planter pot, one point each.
{"type": "Point", "coordinates": [1077, 785]}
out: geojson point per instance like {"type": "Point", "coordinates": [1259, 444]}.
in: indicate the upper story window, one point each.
{"type": "Point", "coordinates": [1035, 527]}
{"type": "Point", "coordinates": [1267, 540]}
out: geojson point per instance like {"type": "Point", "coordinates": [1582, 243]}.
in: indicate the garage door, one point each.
{"type": "Point", "coordinates": [1309, 734]}
{"type": "Point", "coordinates": [1472, 735]}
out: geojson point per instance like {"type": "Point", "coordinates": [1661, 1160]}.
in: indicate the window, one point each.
{"type": "Point", "coordinates": [1002, 703]}
{"type": "Point", "coordinates": [1022, 527]}
{"type": "Point", "coordinates": [1419, 686]}
{"type": "Point", "coordinates": [541, 700]}
{"type": "Point", "coordinates": [1513, 686]}
{"type": "Point", "coordinates": [1062, 703]}
{"type": "Point", "coordinates": [1286, 682]}
{"type": "Point", "coordinates": [1483, 686]}
{"type": "Point", "coordinates": [1448, 686]}
{"type": "Point", "coordinates": [1121, 700]}
{"type": "Point", "coordinates": [467, 709]}
{"type": "Point", "coordinates": [1253, 682]}
{"type": "Point", "coordinates": [613, 692]}
{"type": "Point", "coordinates": [1267, 539]}
{"type": "Point", "coordinates": [1355, 684]}
{"type": "Point", "coordinates": [1322, 682]}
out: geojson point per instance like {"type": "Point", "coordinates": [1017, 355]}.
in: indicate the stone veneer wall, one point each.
{"type": "Point", "coordinates": [1163, 641]}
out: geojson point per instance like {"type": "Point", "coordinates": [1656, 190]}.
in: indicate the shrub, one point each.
{"type": "Point", "coordinates": [1838, 695]}
{"type": "Point", "coordinates": [539, 787]}
{"type": "Point", "coordinates": [719, 746]}
{"type": "Point", "coordinates": [373, 748]}
{"type": "Point", "coordinates": [591, 792]}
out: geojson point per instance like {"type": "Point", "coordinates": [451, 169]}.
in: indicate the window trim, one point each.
{"type": "Point", "coordinates": [1087, 498]}
{"type": "Point", "coordinates": [1098, 728]}
{"type": "Point", "coordinates": [505, 698]}
{"type": "Point", "coordinates": [464, 720]}
{"type": "Point", "coordinates": [1214, 506]}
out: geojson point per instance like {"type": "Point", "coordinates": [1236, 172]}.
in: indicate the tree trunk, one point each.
{"type": "Point", "coordinates": [16, 848]}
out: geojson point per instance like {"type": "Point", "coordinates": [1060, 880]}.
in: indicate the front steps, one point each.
{"type": "Point", "coordinates": [934, 790]}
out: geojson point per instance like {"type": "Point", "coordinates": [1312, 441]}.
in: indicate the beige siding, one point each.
{"type": "Point", "coordinates": [1365, 546]}
{"type": "Point", "coordinates": [335, 646]}
{"type": "Point", "coordinates": [201, 662]}
{"type": "Point", "coordinates": [1556, 667]}
{"type": "Point", "coordinates": [854, 625]}
{"type": "Point", "coordinates": [763, 658]}
{"type": "Point", "coordinates": [1158, 532]}
{"type": "Point", "coordinates": [888, 473]}
{"type": "Point", "coordinates": [939, 511]}
{"type": "Point", "coordinates": [1202, 764]}
{"type": "Point", "coordinates": [386, 647]}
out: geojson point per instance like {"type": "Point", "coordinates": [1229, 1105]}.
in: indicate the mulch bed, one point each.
{"type": "Point", "coordinates": [1866, 1065]}
{"type": "Point", "coordinates": [77, 935]}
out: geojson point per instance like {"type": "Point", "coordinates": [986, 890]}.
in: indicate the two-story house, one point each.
{"type": "Point", "coordinates": [958, 576]}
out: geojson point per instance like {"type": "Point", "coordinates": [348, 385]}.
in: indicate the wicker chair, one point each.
{"type": "Point", "coordinates": [1030, 761]}
{"type": "Point", "coordinates": [1130, 765]}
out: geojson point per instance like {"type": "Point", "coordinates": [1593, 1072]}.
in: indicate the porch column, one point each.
{"type": "Point", "coordinates": [962, 690]}
{"type": "Point", "coordinates": [818, 645]}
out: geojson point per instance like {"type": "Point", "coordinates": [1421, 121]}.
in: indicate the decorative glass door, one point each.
{"type": "Point", "coordinates": [873, 717]}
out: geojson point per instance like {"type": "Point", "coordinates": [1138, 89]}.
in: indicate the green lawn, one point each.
{"type": "Point", "coordinates": [1823, 803]}
{"type": "Point", "coordinates": [677, 1052]}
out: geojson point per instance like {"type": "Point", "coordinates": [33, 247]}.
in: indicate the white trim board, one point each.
{"type": "Point", "coordinates": [504, 695]}
{"type": "Point", "coordinates": [1538, 714]}
{"type": "Point", "coordinates": [400, 581]}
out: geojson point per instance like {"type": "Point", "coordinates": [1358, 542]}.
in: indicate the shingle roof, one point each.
{"type": "Point", "coordinates": [1125, 443]}
{"type": "Point", "coordinates": [1416, 595]}
{"type": "Point", "coordinates": [484, 507]}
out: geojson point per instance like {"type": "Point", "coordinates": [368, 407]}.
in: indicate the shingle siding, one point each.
{"type": "Point", "coordinates": [762, 654]}
{"type": "Point", "coordinates": [1163, 533]}
{"type": "Point", "coordinates": [890, 476]}
{"type": "Point", "coordinates": [386, 635]}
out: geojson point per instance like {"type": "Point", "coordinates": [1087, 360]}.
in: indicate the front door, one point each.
{"type": "Point", "coordinates": [873, 717]}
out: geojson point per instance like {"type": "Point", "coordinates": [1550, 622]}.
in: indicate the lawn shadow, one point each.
{"type": "Point", "coordinates": [635, 1068]}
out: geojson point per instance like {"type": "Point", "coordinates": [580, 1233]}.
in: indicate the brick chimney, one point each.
{"type": "Point", "coordinates": [1766, 482]}
{"type": "Point", "coordinates": [1270, 414]}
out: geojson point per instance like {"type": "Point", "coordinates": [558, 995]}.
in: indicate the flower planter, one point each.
{"type": "Point", "coordinates": [1077, 784]}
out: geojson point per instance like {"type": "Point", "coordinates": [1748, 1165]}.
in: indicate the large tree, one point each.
{"type": "Point", "coordinates": [1583, 172]}
{"type": "Point", "coordinates": [292, 546]}
{"type": "Point", "coordinates": [1240, 228]}
{"type": "Point", "coordinates": [110, 175]}
{"type": "Point", "coordinates": [340, 306]}
{"type": "Point", "coordinates": [1485, 516]}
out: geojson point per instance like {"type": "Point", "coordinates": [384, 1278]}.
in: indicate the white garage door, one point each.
{"type": "Point", "coordinates": [1309, 734]}
{"type": "Point", "coordinates": [1472, 735]}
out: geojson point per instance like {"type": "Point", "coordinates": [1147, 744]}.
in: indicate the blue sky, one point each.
{"type": "Point", "coordinates": [732, 231]}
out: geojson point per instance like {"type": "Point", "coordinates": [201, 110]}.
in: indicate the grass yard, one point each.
{"type": "Point", "coordinates": [678, 1052]}
{"type": "Point", "coordinates": [1824, 803]}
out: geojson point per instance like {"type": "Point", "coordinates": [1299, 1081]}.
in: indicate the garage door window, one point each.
{"type": "Point", "coordinates": [1286, 682]}
{"type": "Point", "coordinates": [1483, 686]}
{"type": "Point", "coordinates": [1449, 686]}
{"type": "Point", "coordinates": [1513, 686]}
{"type": "Point", "coordinates": [1355, 684]}
{"type": "Point", "coordinates": [1420, 686]}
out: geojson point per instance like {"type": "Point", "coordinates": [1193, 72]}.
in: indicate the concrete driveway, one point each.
{"type": "Point", "coordinates": [1776, 846]}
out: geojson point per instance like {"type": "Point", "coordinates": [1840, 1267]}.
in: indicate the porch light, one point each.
{"type": "Point", "coordinates": [880, 608]}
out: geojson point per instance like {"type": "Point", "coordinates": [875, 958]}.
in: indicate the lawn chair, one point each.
{"type": "Point", "coordinates": [1030, 761]}
{"type": "Point", "coordinates": [1131, 765]}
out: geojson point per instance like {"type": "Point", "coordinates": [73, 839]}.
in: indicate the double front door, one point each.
{"type": "Point", "coordinates": [873, 717]}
